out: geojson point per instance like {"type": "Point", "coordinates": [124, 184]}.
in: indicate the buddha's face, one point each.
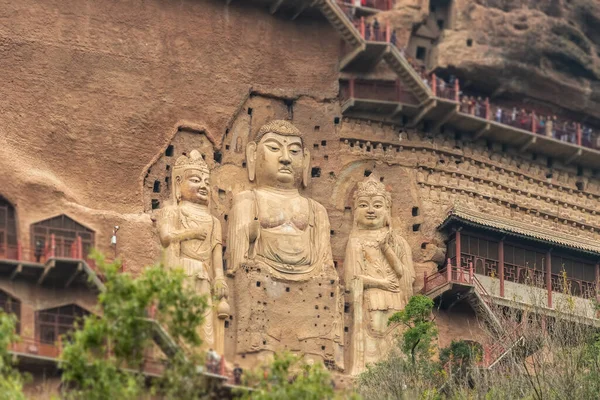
{"type": "Point", "coordinates": [371, 212]}
{"type": "Point", "coordinates": [279, 161]}
{"type": "Point", "coordinates": [194, 186]}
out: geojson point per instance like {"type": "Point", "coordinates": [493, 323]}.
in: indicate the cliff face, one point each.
{"type": "Point", "coordinates": [93, 90]}
{"type": "Point", "coordinates": [543, 49]}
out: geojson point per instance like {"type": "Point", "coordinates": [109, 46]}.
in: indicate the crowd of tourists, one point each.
{"type": "Point", "coordinates": [537, 122]}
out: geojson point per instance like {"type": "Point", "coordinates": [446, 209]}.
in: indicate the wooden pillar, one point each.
{"type": "Point", "coordinates": [501, 266]}
{"type": "Point", "coordinates": [471, 272]}
{"type": "Point", "coordinates": [434, 85]}
{"type": "Point", "coordinates": [79, 247]}
{"type": "Point", "coordinates": [52, 246]}
{"type": "Point", "coordinates": [388, 33]}
{"type": "Point", "coordinates": [456, 91]}
{"type": "Point", "coordinates": [362, 27]}
{"type": "Point", "coordinates": [457, 240]}
{"type": "Point", "coordinates": [579, 134]}
{"type": "Point", "coordinates": [533, 124]}
{"type": "Point", "coordinates": [549, 276]}
{"type": "Point", "coordinates": [597, 283]}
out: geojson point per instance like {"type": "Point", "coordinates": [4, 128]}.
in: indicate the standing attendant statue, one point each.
{"type": "Point", "coordinates": [379, 274]}
{"type": "Point", "coordinates": [191, 239]}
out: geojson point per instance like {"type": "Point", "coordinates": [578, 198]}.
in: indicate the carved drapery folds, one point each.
{"type": "Point", "coordinates": [379, 274]}
{"type": "Point", "coordinates": [287, 289]}
{"type": "Point", "coordinates": [191, 239]}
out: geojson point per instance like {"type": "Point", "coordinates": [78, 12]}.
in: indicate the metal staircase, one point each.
{"type": "Point", "coordinates": [336, 17]}
{"type": "Point", "coordinates": [368, 53]}
{"type": "Point", "coordinates": [407, 74]}
{"type": "Point", "coordinates": [463, 284]}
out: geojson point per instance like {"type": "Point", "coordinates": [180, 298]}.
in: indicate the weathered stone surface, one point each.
{"type": "Point", "coordinates": [546, 50]}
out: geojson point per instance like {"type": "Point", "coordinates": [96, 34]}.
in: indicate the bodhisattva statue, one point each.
{"type": "Point", "coordinates": [280, 239]}
{"type": "Point", "coordinates": [379, 273]}
{"type": "Point", "coordinates": [191, 240]}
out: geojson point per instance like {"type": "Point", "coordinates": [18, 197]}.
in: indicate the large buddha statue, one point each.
{"type": "Point", "coordinates": [379, 274]}
{"type": "Point", "coordinates": [191, 239]}
{"type": "Point", "coordinates": [287, 289]}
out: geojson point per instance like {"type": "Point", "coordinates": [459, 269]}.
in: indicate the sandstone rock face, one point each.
{"type": "Point", "coordinates": [100, 97]}
{"type": "Point", "coordinates": [546, 50]}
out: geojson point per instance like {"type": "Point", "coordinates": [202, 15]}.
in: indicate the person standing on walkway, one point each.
{"type": "Point", "coordinates": [549, 127]}
{"type": "Point", "coordinates": [376, 29]}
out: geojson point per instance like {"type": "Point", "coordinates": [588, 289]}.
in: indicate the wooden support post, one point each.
{"type": "Point", "coordinates": [487, 108]}
{"type": "Point", "coordinates": [471, 272]}
{"type": "Point", "coordinates": [533, 124]}
{"type": "Point", "coordinates": [388, 33]}
{"type": "Point", "coordinates": [597, 286]}
{"type": "Point", "coordinates": [579, 134]}
{"type": "Point", "coordinates": [362, 27]}
{"type": "Point", "coordinates": [79, 247]}
{"type": "Point", "coordinates": [52, 246]}
{"type": "Point", "coordinates": [549, 276]}
{"type": "Point", "coordinates": [458, 254]}
{"type": "Point", "coordinates": [434, 84]}
{"type": "Point", "coordinates": [501, 266]}
{"type": "Point", "coordinates": [449, 272]}
{"type": "Point", "coordinates": [456, 90]}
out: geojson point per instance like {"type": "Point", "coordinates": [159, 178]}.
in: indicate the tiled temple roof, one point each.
{"type": "Point", "coordinates": [518, 228]}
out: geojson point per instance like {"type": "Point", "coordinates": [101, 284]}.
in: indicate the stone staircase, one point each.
{"type": "Point", "coordinates": [392, 56]}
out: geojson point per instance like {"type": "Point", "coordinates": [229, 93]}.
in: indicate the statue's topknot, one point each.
{"type": "Point", "coordinates": [278, 126]}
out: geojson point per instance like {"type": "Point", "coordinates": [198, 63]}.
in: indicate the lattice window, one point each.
{"type": "Point", "coordinates": [66, 231]}
{"type": "Point", "coordinates": [54, 322]}
{"type": "Point", "coordinates": [8, 229]}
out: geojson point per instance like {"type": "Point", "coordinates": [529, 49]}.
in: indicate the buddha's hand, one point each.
{"type": "Point", "coordinates": [199, 233]}
{"type": "Point", "coordinates": [386, 243]}
{"type": "Point", "coordinates": [389, 285]}
{"type": "Point", "coordinates": [220, 288]}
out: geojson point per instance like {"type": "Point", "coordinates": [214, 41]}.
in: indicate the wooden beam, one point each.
{"type": "Point", "coordinates": [575, 156]}
{"type": "Point", "coordinates": [47, 269]}
{"type": "Point", "coordinates": [75, 274]}
{"type": "Point", "coordinates": [16, 272]}
{"type": "Point", "coordinates": [299, 11]}
{"type": "Point", "coordinates": [528, 144]}
{"type": "Point", "coordinates": [445, 118]}
{"type": "Point", "coordinates": [397, 111]}
{"type": "Point", "coordinates": [480, 132]}
{"type": "Point", "coordinates": [419, 117]}
{"type": "Point", "coordinates": [348, 104]}
{"type": "Point", "coordinates": [275, 6]}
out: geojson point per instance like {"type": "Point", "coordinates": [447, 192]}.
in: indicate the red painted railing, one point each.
{"type": "Point", "coordinates": [382, 5]}
{"type": "Point", "coordinates": [53, 248]}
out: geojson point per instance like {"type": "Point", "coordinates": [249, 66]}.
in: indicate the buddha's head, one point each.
{"type": "Point", "coordinates": [277, 156]}
{"type": "Point", "coordinates": [191, 179]}
{"type": "Point", "coordinates": [372, 204]}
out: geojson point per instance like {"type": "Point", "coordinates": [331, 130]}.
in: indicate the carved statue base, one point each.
{"type": "Point", "coordinates": [304, 318]}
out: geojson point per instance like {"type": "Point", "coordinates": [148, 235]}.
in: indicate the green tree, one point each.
{"type": "Point", "coordinates": [287, 377]}
{"type": "Point", "coordinates": [11, 381]}
{"type": "Point", "coordinates": [105, 358]}
{"type": "Point", "coordinates": [420, 327]}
